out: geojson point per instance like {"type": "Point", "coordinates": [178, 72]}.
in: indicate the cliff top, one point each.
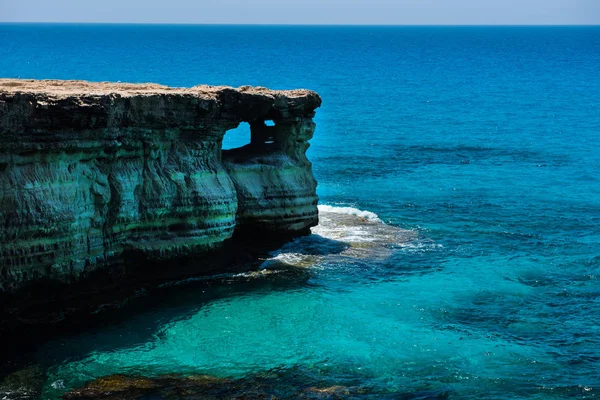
{"type": "Point", "coordinates": [62, 88]}
{"type": "Point", "coordinates": [28, 105]}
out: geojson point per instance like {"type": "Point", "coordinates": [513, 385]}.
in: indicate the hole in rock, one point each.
{"type": "Point", "coordinates": [237, 137]}
{"type": "Point", "coordinates": [270, 122]}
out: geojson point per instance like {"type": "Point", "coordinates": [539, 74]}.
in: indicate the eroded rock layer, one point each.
{"type": "Point", "coordinates": [97, 174]}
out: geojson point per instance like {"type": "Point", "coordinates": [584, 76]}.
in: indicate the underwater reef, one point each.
{"type": "Point", "coordinates": [108, 176]}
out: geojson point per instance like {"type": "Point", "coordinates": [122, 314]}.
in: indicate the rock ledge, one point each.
{"type": "Point", "coordinates": [98, 175]}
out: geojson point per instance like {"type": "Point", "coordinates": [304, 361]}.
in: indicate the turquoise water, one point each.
{"type": "Point", "coordinates": [471, 152]}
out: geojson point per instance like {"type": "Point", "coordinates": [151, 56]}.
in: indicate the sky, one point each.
{"type": "Point", "coordinates": [367, 12]}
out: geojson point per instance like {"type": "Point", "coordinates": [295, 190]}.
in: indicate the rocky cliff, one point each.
{"type": "Point", "coordinates": [94, 175]}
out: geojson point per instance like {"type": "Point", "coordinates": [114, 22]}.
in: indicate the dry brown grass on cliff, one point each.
{"type": "Point", "coordinates": [74, 87]}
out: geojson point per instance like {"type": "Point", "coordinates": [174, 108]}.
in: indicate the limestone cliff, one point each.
{"type": "Point", "coordinates": [94, 175]}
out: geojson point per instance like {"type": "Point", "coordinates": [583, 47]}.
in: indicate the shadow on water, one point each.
{"type": "Point", "coordinates": [317, 245]}
{"type": "Point", "coordinates": [134, 321]}
{"type": "Point", "coordinates": [150, 307]}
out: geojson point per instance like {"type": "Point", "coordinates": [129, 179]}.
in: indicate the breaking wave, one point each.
{"type": "Point", "coordinates": [371, 216]}
{"type": "Point", "coordinates": [342, 232]}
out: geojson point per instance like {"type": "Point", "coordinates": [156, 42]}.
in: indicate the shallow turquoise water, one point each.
{"type": "Point", "coordinates": [482, 143]}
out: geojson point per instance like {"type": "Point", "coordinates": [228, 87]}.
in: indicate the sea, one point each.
{"type": "Point", "coordinates": [458, 254]}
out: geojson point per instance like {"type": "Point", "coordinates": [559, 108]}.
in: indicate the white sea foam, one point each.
{"type": "Point", "coordinates": [256, 274]}
{"type": "Point", "coordinates": [351, 225]}
{"type": "Point", "coordinates": [371, 216]}
{"type": "Point", "coordinates": [420, 246]}
{"type": "Point", "coordinates": [286, 256]}
{"type": "Point", "coordinates": [342, 232]}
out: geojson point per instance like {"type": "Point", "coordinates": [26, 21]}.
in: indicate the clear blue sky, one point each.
{"type": "Point", "coordinates": [392, 12]}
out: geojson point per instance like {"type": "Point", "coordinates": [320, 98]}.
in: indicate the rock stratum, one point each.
{"type": "Point", "coordinates": [98, 175]}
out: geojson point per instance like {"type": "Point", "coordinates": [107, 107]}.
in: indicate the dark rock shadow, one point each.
{"type": "Point", "coordinates": [169, 291]}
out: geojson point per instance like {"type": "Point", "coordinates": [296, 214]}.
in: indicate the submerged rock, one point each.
{"type": "Point", "coordinates": [99, 176]}
{"type": "Point", "coordinates": [22, 384]}
{"type": "Point", "coordinates": [115, 386]}
{"type": "Point", "coordinates": [119, 387]}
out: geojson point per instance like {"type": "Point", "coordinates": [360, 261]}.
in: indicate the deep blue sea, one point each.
{"type": "Point", "coordinates": [474, 154]}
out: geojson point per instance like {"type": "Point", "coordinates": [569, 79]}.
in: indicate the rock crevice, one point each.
{"type": "Point", "coordinates": [94, 175]}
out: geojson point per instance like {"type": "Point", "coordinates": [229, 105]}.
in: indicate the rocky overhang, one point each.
{"type": "Point", "coordinates": [103, 175]}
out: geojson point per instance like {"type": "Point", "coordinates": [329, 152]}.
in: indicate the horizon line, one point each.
{"type": "Point", "coordinates": [294, 24]}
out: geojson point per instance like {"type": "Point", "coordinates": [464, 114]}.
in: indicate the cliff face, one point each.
{"type": "Point", "coordinates": [94, 175]}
